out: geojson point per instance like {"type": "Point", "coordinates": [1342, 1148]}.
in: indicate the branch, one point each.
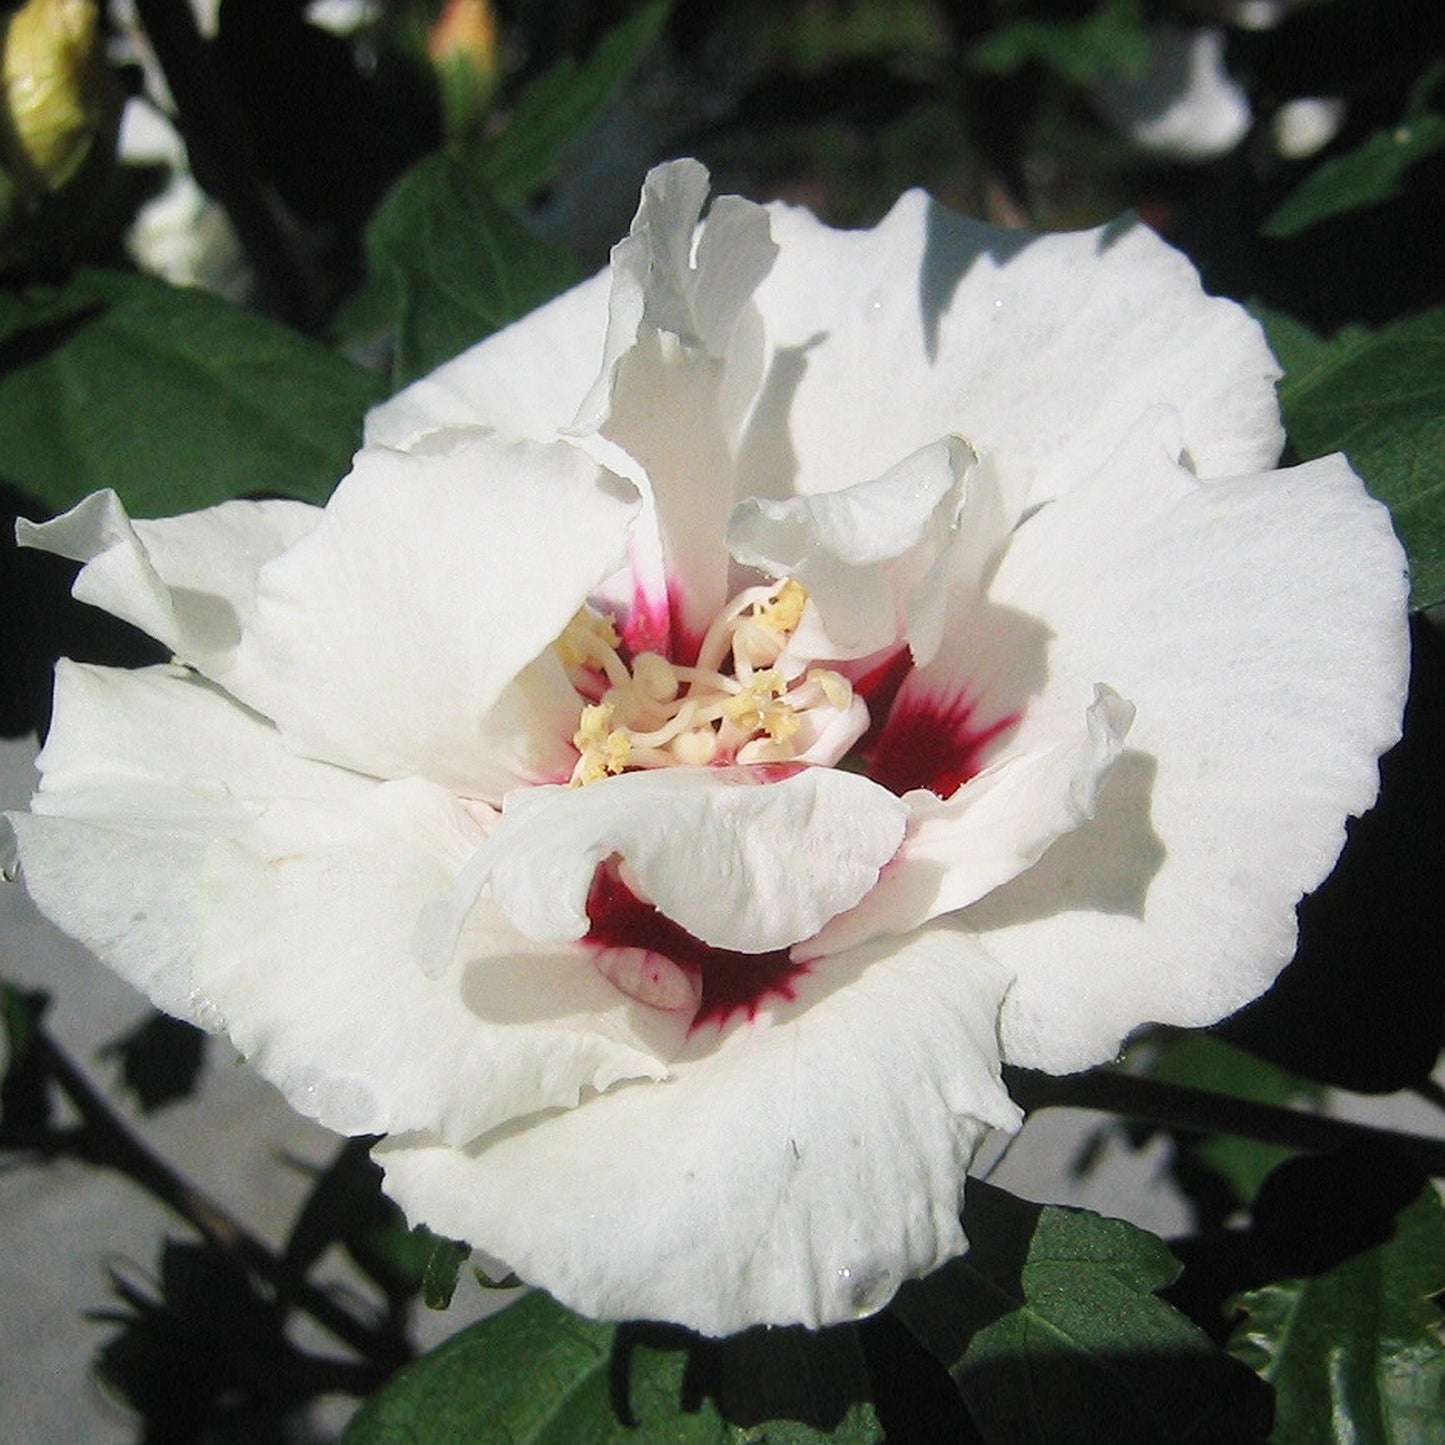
{"type": "Point", "coordinates": [1195, 1111]}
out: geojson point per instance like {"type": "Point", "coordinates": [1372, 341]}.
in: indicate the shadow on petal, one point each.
{"type": "Point", "coordinates": [1104, 866]}
{"type": "Point", "coordinates": [949, 254]}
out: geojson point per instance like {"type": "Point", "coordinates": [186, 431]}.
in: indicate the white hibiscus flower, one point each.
{"type": "Point", "coordinates": [719, 717]}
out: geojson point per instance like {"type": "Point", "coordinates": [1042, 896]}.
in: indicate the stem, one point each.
{"type": "Point", "coordinates": [1196, 1111]}
{"type": "Point", "coordinates": [112, 1142]}
{"type": "Point", "coordinates": [221, 159]}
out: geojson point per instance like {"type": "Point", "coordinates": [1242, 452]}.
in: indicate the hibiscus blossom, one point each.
{"type": "Point", "coordinates": [717, 720]}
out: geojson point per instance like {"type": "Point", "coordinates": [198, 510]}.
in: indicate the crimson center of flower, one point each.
{"type": "Point", "coordinates": [746, 701]}
{"type": "Point", "coordinates": [652, 959]}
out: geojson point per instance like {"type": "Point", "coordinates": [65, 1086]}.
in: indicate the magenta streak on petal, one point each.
{"type": "Point", "coordinates": [657, 624]}
{"type": "Point", "coordinates": [929, 742]}
{"type": "Point", "coordinates": [732, 982]}
{"type": "Point", "coordinates": [879, 687]}
{"type": "Point", "coordinates": [647, 627]}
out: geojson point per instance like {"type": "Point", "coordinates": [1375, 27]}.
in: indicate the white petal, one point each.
{"type": "Point", "coordinates": [994, 827]}
{"type": "Point", "coordinates": [1258, 625]}
{"type": "Point", "coordinates": [410, 632]}
{"type": "Point", "coordinates": [739, 864]}
{"type": "Point", "coordinates": [673, 274]}
{"type": "Point", "coordinates": [864, 552]}
{"type": "Point", "coordinates": [681, 363]}
{"type": "Point", "coordinates": [524, 382]}
{"type": "Point", "coordinates": [796, 1170]}
{"type": "Point", "coordinates": [1039, 347]}
{"type": "Point", "coordinates": [141, 771]}
{"type": "Point", "coordinates": [307, 921]}
{"type": "Point", "coordinates": [188, 581]}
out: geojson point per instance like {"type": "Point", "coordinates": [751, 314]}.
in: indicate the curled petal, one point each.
{"type": "Point", "coordinates": [865, 552]}
{"type": "Point", "coordinates": [673, 274]}
{"type": "Point", "coordinates": [189, 581]}
{"type": "Point", "coordinates": [798, 1169]}
{"type": "Point", "coordinates": [680, 364]}
{"type": "Point", "coordinates": [306, 925]}
{"type": "Point", "coordinates": [741, 864]}
{"type": "Point", "coordinates": [409, 633]}
{"type": "Point", "coordinates": [993, 828]}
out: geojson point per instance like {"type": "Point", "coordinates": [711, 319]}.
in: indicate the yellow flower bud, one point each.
{"type": "Point", "coordinates": [465, 53]}
{"type": "Point", "coordinates": [59, 113]}
{"type": "Point", "coordinates": [58, 92]}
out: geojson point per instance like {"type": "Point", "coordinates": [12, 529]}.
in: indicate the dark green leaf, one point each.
{"type": "Point", "coordinates": [537, 1375]}
{"type": "Point", "coordinates": [176, 399]}
{"type": "Point", "coordinates": [558, 106]}
{"type": "Point", "coordinates": [443, 1267]}
{"type": "Point", "coordinates": [1355, 1353]}
{"type": "Point", "coordinates": [1053, 1333]}
{"type": "Point", "coordinates": [448, 265]}
{"type": "Point", "coordinates": [1109, 42]}
{"type": "Point", "coordinates": [160, 1060]}
{"type": "Point", "coordinates": [1368, 175]}
{"type": "Point", "coordinates": [447, 261]}
{"type": "Point", "coordinates": [1378, 396]}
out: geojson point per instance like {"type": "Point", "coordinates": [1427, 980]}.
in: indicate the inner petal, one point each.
{"type": "Point", "coordinates": [934, 741]}
{"type": "Point", "coordinates": [924, 737]}
{"type": "Point", "coordinates": [726, 982]}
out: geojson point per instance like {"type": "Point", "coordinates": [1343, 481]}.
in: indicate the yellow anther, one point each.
{"type": "Point", "coordinates": [593, 725]}
{"type": "Point", "coordinates": [780, 721]}
{"type": "Point", "coordinates": [746, 707]}
{"type": "Point", "coordinates": [616, 749]}
{"type": "Point", "coordinates": [603, 748]}
{"type": "Point", "coordinates": [836, 688]}
{"type": "Point", "coordinates": [586, 637]}
{"type": "Point", "coordinates": [785, 610]}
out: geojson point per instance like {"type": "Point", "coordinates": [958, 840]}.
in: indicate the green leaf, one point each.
{"type": "Point", "coordinates": [1368, 175]}
{"type": "Point", "coordinates": [558, 106]}
{"type": "Point", "coordinates": [1355, 1353]}
{"type": "Point", "coordinates": [448, 265]}
{"type": "Point", "coordinates": [175, 398]}
{"type": "Point", "coordinates": [1053, 1334]}
{"type": "Point", "coordinates": [1110, 42]}
{"type": "Point", "coordinates": [1379, 397]}
{"type": "Point", "coordinates": [537, 1375]}
{"type": "Point", "coordinates": [443, 1268]}
{"type": "Point", "coordinates": [447, 261]}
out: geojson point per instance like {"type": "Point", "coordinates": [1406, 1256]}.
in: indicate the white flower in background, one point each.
{"type": "Point", "coordinates": [180, 234]}
{"type": "Point", "coordinates": [1185, 105]}
{"type": "Point", "coordinates": [715, 717]}
{"type": "Point", "coordinates": [1305, 125]}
